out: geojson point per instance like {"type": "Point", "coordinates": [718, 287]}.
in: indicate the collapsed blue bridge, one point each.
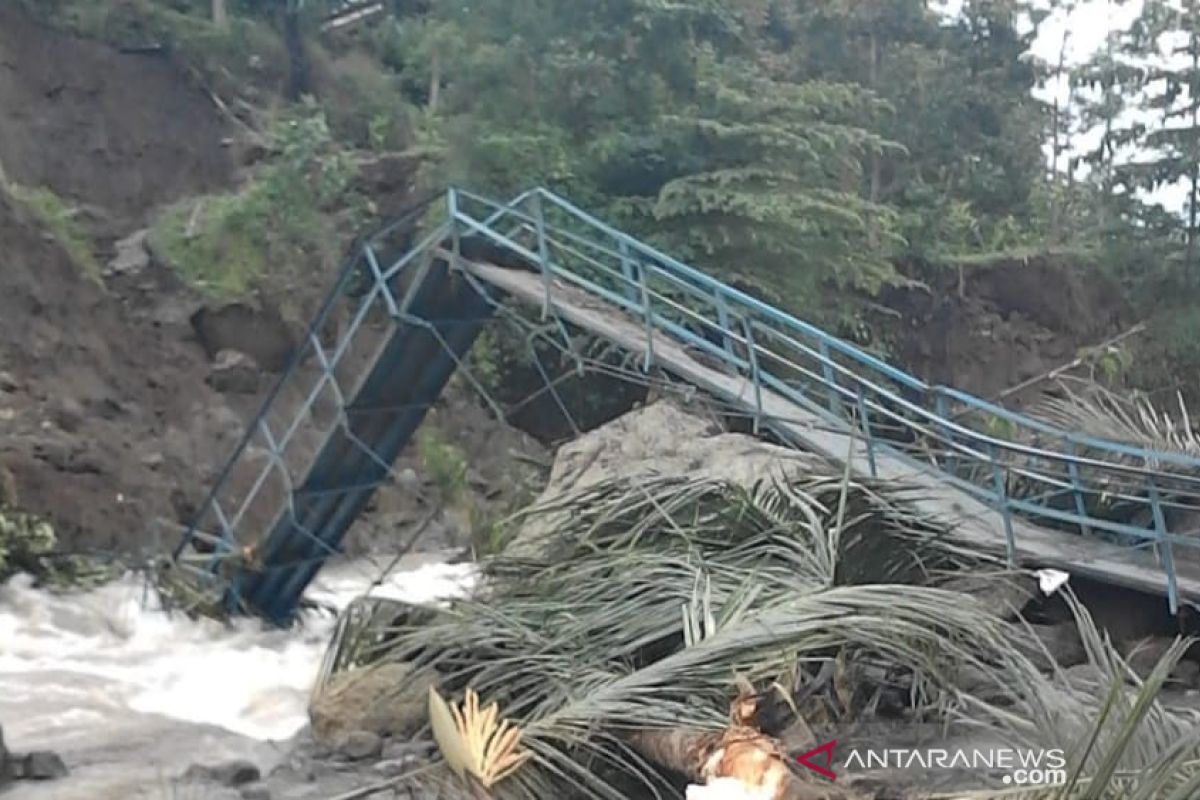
{"type": "Point", "coordinates": [408, 305]}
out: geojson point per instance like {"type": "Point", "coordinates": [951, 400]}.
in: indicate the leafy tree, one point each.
{"type": "Point", "coordinates": [778, 197]}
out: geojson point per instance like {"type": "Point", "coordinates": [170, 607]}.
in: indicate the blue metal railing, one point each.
{"type": "Point", "coordinates": [1059, 478]}
{"type": "Point", "coordinates": [264, 482]}
{"type": "Point", "coordinates": [1063, 479]}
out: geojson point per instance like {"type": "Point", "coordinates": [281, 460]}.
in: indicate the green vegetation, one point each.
{"type": "Point", "coordinates": [806, 151]}
{"type": "Point", "coordinates": [28, 544]}
{"type": "Point", "coordinates": [489, 534]}
{"type": "Point", "coordinates": [246, 49]}
{"type": "Point", "coordinates": [488, 361]}
{"type": "Point", "coordinates": [24, 541]}
{"type": "Point", "coordinates": [59, 219]}
{"type": "Point", "coordinates": [445, 463]}
{"type": "Point", "coordinates": [295, 212]}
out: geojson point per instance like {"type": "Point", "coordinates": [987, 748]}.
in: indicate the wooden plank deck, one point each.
{"type": "Point", "coordinates": [975, 523]}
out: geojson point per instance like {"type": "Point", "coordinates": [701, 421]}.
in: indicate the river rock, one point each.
{"type": "Point", "coordinates": [359, 745]}
{"type": "Point", "coordinates": [1145, 654]}
{"type": "Point", "coordinates": [8, 383]}
{"type": "Point", "coordinates": [390, 768]}
{"type": "Point", "coordinates": [386, 700]}
{"type": "Point", "coordinates": [407, 751]}
{"type": "Point", "coordinates": [68, 414]}
{"type": "Point", "coordinates": [1061, 645]}
{"type": "Point", "coordinates": [238, 772]}
{"type": "Point", "coordinates": [260, 333]}
{"type": "Point", "coordinates": [234, 372]}
{"type": "Point", "coordinates": [41, 765]}
{"type": "Point", "coordinates": [132, 255]}
{"type": "Point", "coordinates": [1186, 673]}
{"type": "Point", "coordinates": [1005, 595]}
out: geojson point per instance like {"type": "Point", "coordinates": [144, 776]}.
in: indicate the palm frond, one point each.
{"type": "Point", "coordinates": [650, 597]}
{"type": "Point", "coordinates": [1099, 412]}
{"type": "Point", "coordinates": [473, 741]}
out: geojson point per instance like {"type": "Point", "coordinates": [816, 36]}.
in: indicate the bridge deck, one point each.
{"type": "Point", "coordinates": [975, 523]}
{"type": "Point", "coordinates": [328, 433]}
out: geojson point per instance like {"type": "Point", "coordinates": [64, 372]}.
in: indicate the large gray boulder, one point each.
{"type": "Point", "coordinates": [382, 700]}
{"type": "Point", "coordinates": [234, 372]}
{"type": "Point", "coordinates": [40, 765]}
{"type": "Point", "coordinates": [663, 439]}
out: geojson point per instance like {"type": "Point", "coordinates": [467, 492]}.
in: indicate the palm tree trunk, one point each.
{"type": "Point", "coordinates": [679, 750]}
{"type": "Point", "coordinates": [735, 753]}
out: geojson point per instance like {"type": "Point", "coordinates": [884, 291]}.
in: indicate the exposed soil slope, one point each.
{"type": "Point", "coordinates": [118, 133]}
{"type": "Point", "coordinates": [108, 423]}
{"type": "Point", "coordinates": [109, 420]}
{"type": "Point", "coordinates": [1015, 320]}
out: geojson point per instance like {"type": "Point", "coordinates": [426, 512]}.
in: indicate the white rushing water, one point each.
{"type": "Point", "coordinates": [84, 673]}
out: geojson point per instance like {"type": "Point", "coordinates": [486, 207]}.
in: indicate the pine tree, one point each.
{"type": "Point", "coordinates": [778, 199]}
{"type": "Point", "coordinates": [1167, 38]}
{"type": "Point", "coordinates": [1105, 86]}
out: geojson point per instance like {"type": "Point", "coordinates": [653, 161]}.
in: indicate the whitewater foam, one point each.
{"type": "Point", "coordinates": [72, 664]}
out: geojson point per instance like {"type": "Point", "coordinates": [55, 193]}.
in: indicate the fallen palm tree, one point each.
{"type": "Point", "coordinates": [616, 642]}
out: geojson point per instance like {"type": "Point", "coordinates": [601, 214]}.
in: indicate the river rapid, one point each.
{"type": "Point", "coordinates": [130, 696]}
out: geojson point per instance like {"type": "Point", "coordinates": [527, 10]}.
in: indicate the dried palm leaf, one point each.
{"type": "Point", "coordinates": [1099, 412]}
{"type": "Point", "coordinates": [583, 647]}
{"type": "Point", "coordinates": [475, 742]}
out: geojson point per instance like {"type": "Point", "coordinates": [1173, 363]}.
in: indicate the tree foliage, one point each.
{"type": "Point", "coordinates": [804, 148]}
{"type": "Point", "coordinates": [815, 152]}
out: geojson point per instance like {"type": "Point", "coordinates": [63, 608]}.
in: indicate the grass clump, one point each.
{"type": "Point", "coordinates": [445, 463]}
{"type": "Point", "coordinates": [25, 540]}
{"type": "Point", "coordinates": [493, 522]}
{"type": "Point", "coordinates": [298, 210]}
{"type": "Point", "coordinates": [60, 219]}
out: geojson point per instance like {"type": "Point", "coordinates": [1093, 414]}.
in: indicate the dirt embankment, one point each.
{"type": "Point", "coordinates": [109, 419]}
{"type": "Point", "coordinates": [106, 419]}
{"type": "Point", "coordinates": [1014, 320]}
{"type": "Point", "coordinates": [117, 133]}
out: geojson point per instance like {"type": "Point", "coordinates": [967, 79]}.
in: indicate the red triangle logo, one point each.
{"type": "Point", "coordinates": [825, 750]}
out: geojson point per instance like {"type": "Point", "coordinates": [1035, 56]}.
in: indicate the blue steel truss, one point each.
{"type": "Point", "coordinates": [327, 435]}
